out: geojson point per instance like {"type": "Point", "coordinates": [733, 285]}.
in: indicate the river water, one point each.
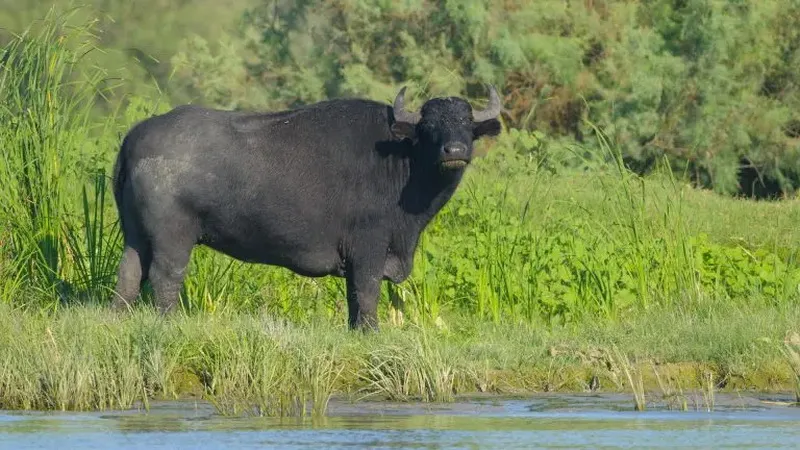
{"type": "Point", "coordinates": [547, 421]}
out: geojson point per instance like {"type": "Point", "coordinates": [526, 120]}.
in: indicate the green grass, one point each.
{"type": "Point", "coordinates": [791, 352]}
{"type": "Point", "coordinates": [90, 358]}
{"type": "Point", "coordinates": [58, 236]}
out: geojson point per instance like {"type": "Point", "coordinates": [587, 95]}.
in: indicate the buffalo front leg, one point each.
{"type": "Point", "coordinates": [363, 287]}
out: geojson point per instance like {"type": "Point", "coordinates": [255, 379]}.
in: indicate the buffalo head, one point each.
{"type": "Point", "coordinates": [445, 128]}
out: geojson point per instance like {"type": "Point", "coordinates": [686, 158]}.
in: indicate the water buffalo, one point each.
{"type": "Point", "coordinates": [341, 187]}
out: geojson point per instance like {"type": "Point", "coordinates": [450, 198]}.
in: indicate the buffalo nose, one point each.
{"type": "Point", "coordinates": [454, 148]}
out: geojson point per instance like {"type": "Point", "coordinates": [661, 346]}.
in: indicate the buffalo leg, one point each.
{"type": "Point", "coordinates": [172, 248]}
{"type": "Point", "coordinates": [134, 265]}
{"type": "Point", "coordinates": [166, 276]}
{"type": "Point", "coordinates": [133, 269]}
{"type": "Point", "coordinates": [363, 287]}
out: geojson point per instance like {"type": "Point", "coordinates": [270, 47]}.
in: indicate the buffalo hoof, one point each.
{"type": "Point", "coordinates": [119, 305]}
{"type": "Point", "coordinates": [165, 308]}
{"type": "Point", "coordinates": [367, 326]}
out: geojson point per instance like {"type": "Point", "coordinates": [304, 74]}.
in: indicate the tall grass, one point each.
{"type": "Point", "coordinates": [45, 142]}
{"type": "Point", "coordinates": [415, 369]}
{"type": "Point", "coordinates": [76, 363]}
{"type": "Point", "coordinates": [634, 378]}
{"type": "Point", "coordinates": [791, 351]}
{"type": "Point", "coordinates": [89, 358]}
{"type": "Point", "coordinates": [267, 368]}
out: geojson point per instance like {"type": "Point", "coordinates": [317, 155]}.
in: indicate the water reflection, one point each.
{"type": "Point", "coordinates": [546, 421]}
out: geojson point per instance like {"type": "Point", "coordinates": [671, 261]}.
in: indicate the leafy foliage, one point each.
{"type": "Point", "coordinates": [710, 84]}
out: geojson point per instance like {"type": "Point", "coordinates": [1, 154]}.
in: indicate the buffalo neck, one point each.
{"type": "Point", "coordinates": [428, 188]}
{"type": "Point", "coordinates": [419, 187]}
{"type": "Point", "coordinates": [418, 190]}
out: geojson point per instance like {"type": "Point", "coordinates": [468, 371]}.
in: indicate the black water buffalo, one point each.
{"type": "Point", "coordinates": [341, 187]}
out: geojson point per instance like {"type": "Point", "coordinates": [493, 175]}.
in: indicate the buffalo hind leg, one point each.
{"type": "Point", "coordinates": [167, 273]}
{"type": "Point", "coordinates": [134, 266]}
{"type": "Point", "coordinates": [363, 287]}
{"type": "Point", "coordinates": [172, 245]}
{"type": "Point", "coordinates": [133, 270]}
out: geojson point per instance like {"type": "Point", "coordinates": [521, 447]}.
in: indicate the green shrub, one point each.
{"type": "Point", "coordinates": [710, 84]}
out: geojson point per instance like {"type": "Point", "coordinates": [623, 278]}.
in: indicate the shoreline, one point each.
{"type": "Point", "coordinates": [88, 358]}
{"type": "Point", "coordinates": [686, 374]}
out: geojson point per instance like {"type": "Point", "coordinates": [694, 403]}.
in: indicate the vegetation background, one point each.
{"type": "Point", "coordinates": [687, 94]}
{"type": "Point", "coordinates": [710, 84]}
{"type": "Point", "coordinates": [641, 140]}
{"type": "Point", "coordinates": [708, 89]}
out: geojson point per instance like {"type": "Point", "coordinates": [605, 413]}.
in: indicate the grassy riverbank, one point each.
{"type": "Point", "coordinates": [89, 358]}
{"type": "Point", "coordinates": [553, 264]}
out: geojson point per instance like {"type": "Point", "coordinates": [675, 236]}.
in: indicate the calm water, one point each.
{"type": "Point", "coordinates": [544, 421]}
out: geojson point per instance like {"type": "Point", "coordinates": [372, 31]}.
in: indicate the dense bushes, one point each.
{"type": "Point", "coordinates": [710, 84]}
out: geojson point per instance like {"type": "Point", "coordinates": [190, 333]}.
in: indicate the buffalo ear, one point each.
{"type": "Point", "coordinates": [489, 127]}
{"type": "Point", "coordinates": [404, 130]}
